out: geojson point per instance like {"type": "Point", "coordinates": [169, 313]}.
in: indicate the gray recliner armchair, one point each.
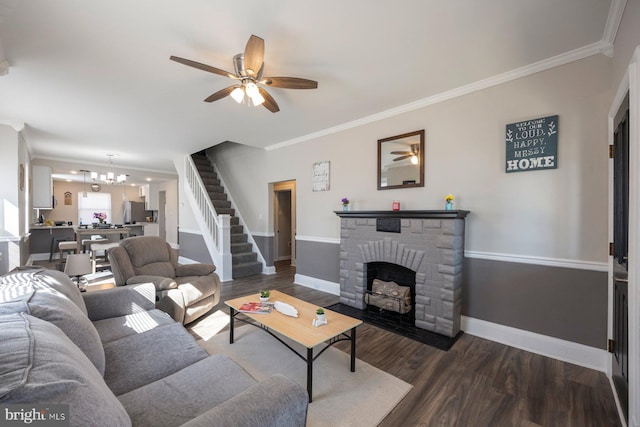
{"type": "Point", "coordinates": [185, 292]}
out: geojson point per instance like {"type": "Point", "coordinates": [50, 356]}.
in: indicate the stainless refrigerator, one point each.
{"type": "Point", "coordinates": [135, 212]}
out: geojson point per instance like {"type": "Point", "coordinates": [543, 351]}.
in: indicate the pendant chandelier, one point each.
{"type": "Point", "coordinates": [109, 177]}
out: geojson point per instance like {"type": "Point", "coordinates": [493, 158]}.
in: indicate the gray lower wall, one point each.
{"type": "Point", "coordinates": [565, 303]}
{"type": "Point", "coordinates": [192, 246]}
{"type": "Point", "coordinates": [4, 257]}
{"type": "Point", "coordinates": [319, 260]}
{"type": "Point", "coordinates": [265, 244]}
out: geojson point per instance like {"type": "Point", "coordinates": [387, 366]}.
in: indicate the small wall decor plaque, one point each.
{"type": "Point", "coordinates": [532, 145]}
{"type": "Point", "coordinates": [320, 176]}
{"type": "Point", "coordinates": [67, 198]}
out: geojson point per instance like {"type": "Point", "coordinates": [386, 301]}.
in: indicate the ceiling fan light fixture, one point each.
{"type": "Point", "coordinates": [237, 94]}
{"type": "Point", "coordinates": [257, 99]}
{"type": "Point", "coordinates": [252, 90]}
{"type": "Point", "coordinates": [414, 159]}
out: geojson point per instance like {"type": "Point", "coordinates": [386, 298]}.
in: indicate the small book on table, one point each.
{"type": "Point", "coordinates": [255, 308]}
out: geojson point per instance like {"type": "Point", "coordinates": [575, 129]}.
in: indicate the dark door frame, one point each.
{"type": "Point", "coordinates": [630, 83]}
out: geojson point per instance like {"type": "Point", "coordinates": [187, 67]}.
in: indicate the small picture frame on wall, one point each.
{"type": "Point", "coordinates": [320, 176]}
{"type": "Point", "coordinates": [68, 200]}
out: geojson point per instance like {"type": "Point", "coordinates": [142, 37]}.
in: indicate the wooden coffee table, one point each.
{"type": "Point", "coordinates": [299, 329]}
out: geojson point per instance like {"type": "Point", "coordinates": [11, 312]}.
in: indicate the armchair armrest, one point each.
{"type": "Point", "coordinates": [160, 283]}
{"type": "Point", "coordinates": [195, 270]}
{"type": "Point", "coordinates": [120, 301]}
{"type": "Point", "coordinates": [275, 402]}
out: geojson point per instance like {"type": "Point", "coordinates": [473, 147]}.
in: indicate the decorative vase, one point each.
{"type": "Point", "coordinates": [448, 206]}
{"type": "Point", "coordinates": [264, 299]}
{"type": "Point", "coordinates": [321, 318]}
{"type": "Point", "coordinates": [345, 208]}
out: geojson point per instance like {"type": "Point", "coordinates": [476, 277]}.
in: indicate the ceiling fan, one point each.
{"type": "Point", "coordinates": [248, 72]}
{"type": "Point", "coordinates": [413, 154]}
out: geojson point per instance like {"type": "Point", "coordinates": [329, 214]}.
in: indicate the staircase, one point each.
{"type": "Point", "coordinates": [245, 261]}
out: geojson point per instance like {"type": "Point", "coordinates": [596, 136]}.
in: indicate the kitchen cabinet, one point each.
{"type": "Point", "coordinates": [152, 229]}
{"type": "Point", "coordinates": [151, 197]}
{"type": "Point", "coordinates": [42, 237]}
{"type": "Point", "coordinates": [42, 187]}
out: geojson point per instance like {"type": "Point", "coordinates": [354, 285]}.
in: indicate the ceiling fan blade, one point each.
{"type": "Point", "coordinates": [269, 103]}
{"type": "Point", "coordinates": [253, 55]}
{"type": "Point", "coordinates": [402, 157]}
{"type": "Point", "coordinates": [203, 67]}
{"type": "Point", "coordinates": [401, 152]}
{"type": "Point", "coordinates": [289, 82]}
{"type": "Point", "coordinates": [221, 94]}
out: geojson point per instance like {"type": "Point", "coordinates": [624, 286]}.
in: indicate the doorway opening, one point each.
{"type": "Point", "coordinates": [284, 225]}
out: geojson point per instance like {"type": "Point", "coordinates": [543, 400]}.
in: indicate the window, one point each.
{"type": "Point", "coordinates": [93, 203]}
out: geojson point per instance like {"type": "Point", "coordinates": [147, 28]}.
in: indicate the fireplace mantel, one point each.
{"type": "Point", "coordinates": [453, 214]}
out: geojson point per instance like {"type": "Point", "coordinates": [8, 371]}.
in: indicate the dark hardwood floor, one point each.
{"type": "Point", "coordinates": [476, 383]}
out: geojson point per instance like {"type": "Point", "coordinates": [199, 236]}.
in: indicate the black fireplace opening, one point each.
{"type": "Point", "coordinates": [403, 276]}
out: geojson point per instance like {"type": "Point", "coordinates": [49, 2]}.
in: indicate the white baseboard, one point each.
{"type": "Point", "coordinates": [567, 351]}
{"type": "Point", "coordinates": [268, 269]}
{"type": "Point", "coordinates": [319, 284]}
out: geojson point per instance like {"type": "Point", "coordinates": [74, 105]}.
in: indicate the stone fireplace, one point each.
{"type": "Point", "coordinates": [428, 247]}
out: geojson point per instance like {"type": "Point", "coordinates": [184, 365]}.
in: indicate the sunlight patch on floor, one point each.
{"type": "Point", "coordinates": [209, 326]}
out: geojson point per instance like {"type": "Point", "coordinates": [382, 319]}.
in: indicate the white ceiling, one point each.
{"type": "Point", "coordinates": [91, 77]}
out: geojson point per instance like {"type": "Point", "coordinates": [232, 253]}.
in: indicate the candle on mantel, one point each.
{"type": "Point", "coordinates": [395, 205]}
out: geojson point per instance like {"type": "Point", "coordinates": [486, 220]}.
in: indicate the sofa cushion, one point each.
{"type": "Point", "coordinates": [119, 327]}
{"type": "Point", "coordinates": [140, 359]}
{"type": "Point", "coordinates": [39, 364]}
{"type": "Point", "coordinates": [49, 305]}
{"type": "Point", "coordinates": [211, 381]}
{"type": "Point", "coordinates": [42, 278]}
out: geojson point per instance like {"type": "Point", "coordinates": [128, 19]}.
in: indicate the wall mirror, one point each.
{"type": "Point", "coordinates": [401, 161]}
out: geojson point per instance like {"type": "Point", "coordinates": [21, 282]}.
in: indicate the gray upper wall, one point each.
{"type": "Point", "coordinates": [559, 213]}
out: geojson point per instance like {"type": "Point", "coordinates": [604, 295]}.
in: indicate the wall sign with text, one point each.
{"type": "Point", "coordinates": [532, 145]}
{"type": "Point", "coordinates": [320, 176]}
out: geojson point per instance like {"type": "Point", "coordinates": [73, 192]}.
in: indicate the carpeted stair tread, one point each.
{"type": "Point", "coordinates": [244, 260]}
{"type": "Point", "coordinates": [237, 248]}
{"type": "Point", "coordinates": [246, 269]}
{"type": "Point", "coordinates": [239, 238]}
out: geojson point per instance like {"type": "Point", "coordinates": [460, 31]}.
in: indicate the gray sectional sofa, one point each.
{"type": "Point", "coordinates": [118, 361]}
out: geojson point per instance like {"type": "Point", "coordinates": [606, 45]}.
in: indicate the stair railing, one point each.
{"type": "Point", "coordinates": [250, 239]}
{"type": "Point", "coordinates": [216, 228]}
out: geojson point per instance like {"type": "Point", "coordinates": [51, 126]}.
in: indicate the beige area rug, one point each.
{"type": "Point", "coordinates": [340, 397]}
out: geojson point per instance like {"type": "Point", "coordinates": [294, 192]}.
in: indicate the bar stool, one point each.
{"type": "Point", "coordinates": [67, 246]}
{"type": "Point", "coordinates": [93, 251]}
{"type": "Point", "coordinates": [94, 239]}
{"type": "Point", "coordinates": [55, 241]}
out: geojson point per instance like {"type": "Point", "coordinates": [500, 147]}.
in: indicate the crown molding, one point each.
{"type": "Point", "coordinates": [102, 164]}
{"type": "Point", "coordinates": [17, 125]}
{"type": "Point", "coordinates": [616, 11]}
{"type": "Point", "coordinates": [546, 64]}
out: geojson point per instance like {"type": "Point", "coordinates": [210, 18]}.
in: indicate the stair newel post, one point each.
{"type": "Point", "coordinates": [224, 230]}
